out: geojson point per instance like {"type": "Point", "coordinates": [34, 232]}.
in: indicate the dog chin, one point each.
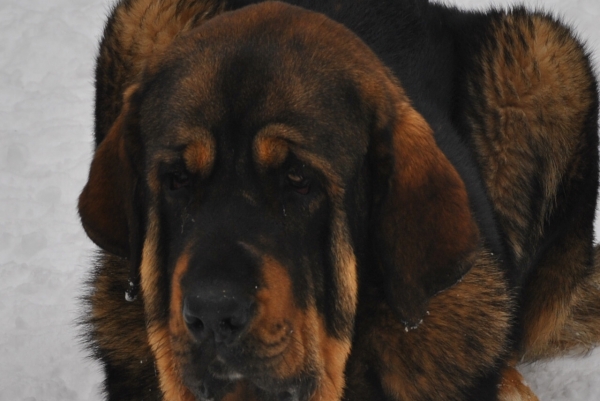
{"type": "Point", "coordinates": [214, 388]}
{"type": "Point", "coordinates": [297, 390]}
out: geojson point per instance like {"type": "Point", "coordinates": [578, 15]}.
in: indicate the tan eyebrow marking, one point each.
{"type": "Point", "coordinates": [272, 144]}
{"type": "Point", "coordinates": [270, 152]}
{"type": "Point", "coordinates": [199, 155]}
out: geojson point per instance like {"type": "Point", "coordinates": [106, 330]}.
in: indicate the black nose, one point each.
{"type": "Point", "coordinates": [220, 308]}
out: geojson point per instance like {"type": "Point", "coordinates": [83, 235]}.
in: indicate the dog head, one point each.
{"type": "Point", "coordinates": [258, 162]}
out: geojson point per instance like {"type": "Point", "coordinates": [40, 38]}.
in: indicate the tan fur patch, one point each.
{"type": "Point", "coordinates": [278, 320]}
{"type": "Point", "coordinates": [344, 259]}
{"type": "Point", "coordinates": [200, 155]}
{"type": "Point", "coordinates": [158, 333]}
{"type": "Point", "coordinates": [168, 370]}
{"type": "Point", "coordinates": [332, 354]}
{"type": "Point", "coordinates": [149, 269]}
{"type": "Point", "coordinates": [299, 336]}
{"type": "Point", "coordinates": [177, 326]}
{"type": "Point", "coordinates": [270, 146]}
{"type": "Point", "coordinates": [512, 387]}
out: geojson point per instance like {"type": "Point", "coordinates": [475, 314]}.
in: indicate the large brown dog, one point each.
{"type": "Point", "coordinates": [372, 200]}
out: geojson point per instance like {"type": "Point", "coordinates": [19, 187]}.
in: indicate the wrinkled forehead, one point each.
{"type": "Point", "coordinates": [258, 67]}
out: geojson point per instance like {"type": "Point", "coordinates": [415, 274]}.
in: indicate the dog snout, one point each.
{"type": "Point", "coordinates": [219, 309]}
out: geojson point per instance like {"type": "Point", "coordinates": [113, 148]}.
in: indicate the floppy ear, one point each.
{"type": "Point", "coordinates": [422, 228]}
{"type": "Point", "coordinates": [110, 203]}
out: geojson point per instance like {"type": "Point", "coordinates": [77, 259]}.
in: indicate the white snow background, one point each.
{"type": "Point", "coordinates": [47, 51]}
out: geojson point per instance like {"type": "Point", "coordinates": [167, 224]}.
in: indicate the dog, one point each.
{"type": "Point", "coordinates": [338, 200]}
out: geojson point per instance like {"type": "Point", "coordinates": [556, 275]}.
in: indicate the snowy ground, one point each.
{"type": "Point", "coordinates": [47, 48]}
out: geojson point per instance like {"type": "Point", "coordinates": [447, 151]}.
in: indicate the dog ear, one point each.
{"type": "Point", "coordinates": [110, 204]}
{"type": "Point", "coordinates": [422, 228]}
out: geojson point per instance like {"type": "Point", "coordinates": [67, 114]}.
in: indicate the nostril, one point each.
{"type": "Point", "coordinates": [204, 392]}
{"type": "Point", "coordinates": [235, 323]}
{"type": "Point", "coordinates": [194, 323]}
{"type": "Point", "coordinates": [287, 396]}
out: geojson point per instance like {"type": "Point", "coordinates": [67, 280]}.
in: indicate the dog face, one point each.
{"type": "Point", "coordinates": [256, 164]}
{"type": "Point", "coordinates": [247, 160]}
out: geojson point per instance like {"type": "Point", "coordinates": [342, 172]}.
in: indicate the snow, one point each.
{"type": "Point", "coordinates": [47, 50]}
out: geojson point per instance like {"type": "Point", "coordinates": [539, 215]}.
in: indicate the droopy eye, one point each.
{"type": "Point", "coordinates": [299, 182]}
{"type": "Point", "coordinates": [178, 180]}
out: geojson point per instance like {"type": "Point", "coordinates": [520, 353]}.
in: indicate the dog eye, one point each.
{"type": "Point", "coordinates": [299, 183]}
{"type": "Point", "coordinates": [178, 180]}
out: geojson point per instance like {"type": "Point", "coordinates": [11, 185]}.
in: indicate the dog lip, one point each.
{"type": "Point", "coordinates": [298, 388]}
{"type": "Point", "coordinates": [299, 391]}
{"type": "Point", "coordinates": [220, 369]}
{"type": "Point", "coordinates": [258, 374]}
{"type": "Point", "coordinates": [288, 395]}
{"type": "Point", "coordinates": [238, 359]}
{"type": "Point", "coordinates": [230, 376]}
{"type": "Point", "coordinates": [258, 370]}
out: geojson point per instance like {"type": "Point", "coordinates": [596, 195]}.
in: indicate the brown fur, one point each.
{"type": "Point", "coordinates": [536, 85]}
{"type": "Point", "coordinates": [426, 231]}
{"type": "Point", "coordinates": [105, 202]}
{"type": "Point", "coordinates": [413, 364]}
{"type": "Point", "coordinates": [581, 329]}
{"type": "Point", "coordinates": [111, 314]}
